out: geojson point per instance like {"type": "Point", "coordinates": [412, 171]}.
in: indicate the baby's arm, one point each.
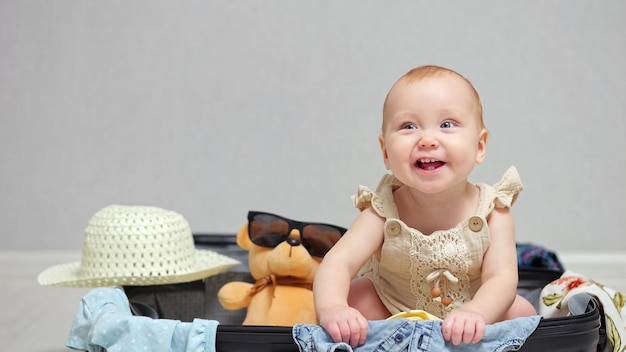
{"type": "Point", "coordinates": [333, 277]}
{"type": "Point", "coordinates": [498, 284]}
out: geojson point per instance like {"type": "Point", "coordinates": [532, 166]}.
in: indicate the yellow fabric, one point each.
{"type": "Point", "coordinates": [414, 315]}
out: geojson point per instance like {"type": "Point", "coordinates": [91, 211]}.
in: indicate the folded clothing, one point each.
{"type": "Point", "coordinates": [531, 256]}
{"type": "Point", "coordinates": [104, 322]}
{"type": "Point", "coordinates": [418, 335]}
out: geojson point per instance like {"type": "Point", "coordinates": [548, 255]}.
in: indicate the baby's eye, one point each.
{"type": "Point", "coordinates": [448, 124]}
{"type": "Point", "coordinates": [409, 126]}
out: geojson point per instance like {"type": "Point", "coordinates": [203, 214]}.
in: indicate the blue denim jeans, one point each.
{"type": "Point", "coordinates": [407, 335]}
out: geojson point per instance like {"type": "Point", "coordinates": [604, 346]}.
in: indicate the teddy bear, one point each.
{"type": "Point", "coordinates": [282, 294]}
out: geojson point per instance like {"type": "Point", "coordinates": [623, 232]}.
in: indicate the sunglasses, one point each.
{"type": "Point", "coordinates": [269, 230]}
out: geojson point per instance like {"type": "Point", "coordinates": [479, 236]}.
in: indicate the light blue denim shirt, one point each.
{"type": "Point", "coordinates": [104, 322]}
{"type": "Point", "coordinates": [409, 335]}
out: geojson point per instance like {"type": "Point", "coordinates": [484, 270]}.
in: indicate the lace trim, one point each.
{"type": "Point", "coordinates": [441, 251]}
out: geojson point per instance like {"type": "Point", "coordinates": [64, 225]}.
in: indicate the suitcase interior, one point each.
{"type": "Point", "coordinates": [581, 331]}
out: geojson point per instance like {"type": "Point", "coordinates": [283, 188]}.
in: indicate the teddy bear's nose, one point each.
{"type": "Point", "coordinates": [293, 242]}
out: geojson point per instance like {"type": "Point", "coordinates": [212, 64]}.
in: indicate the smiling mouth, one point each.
{"type": "Point", "coordinates": [429, 164]}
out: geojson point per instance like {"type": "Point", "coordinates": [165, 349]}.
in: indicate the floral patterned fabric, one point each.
{"type": "Point", "coordinates": [555, 297]}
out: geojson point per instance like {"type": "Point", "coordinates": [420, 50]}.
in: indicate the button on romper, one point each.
{"type": "Point", "coordinates": [411, 263]}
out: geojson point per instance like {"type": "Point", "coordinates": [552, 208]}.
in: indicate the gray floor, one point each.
{"type": "Point", "coordinates": [35, 318]}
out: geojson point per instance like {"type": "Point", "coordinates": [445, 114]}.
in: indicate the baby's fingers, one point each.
{"type": "Point", "coordinates": [452, 330]}
{"type": "Point", "coordinates": [362, 328]}
{"type": "Point", "coordinates": [346, 326]}
{"type": "Point", "coordinates": [354, 332]}
{"type": "Point", "coordinates": [458, 332]}
{"type": "Point", "coordinates": [341, 333]}
{"type": "Point", "coordinates": [335, 333]}
{"type": "Point", "coordinates": [469, 332]}
{"type": "Point", "coordinates": [473, 331]}
{"type": "Point", "coordinates": [463, 330]}
{"type": "Point", "coordinates": [479, 332]}
{"type": "Point", "coordinates": [455, 331]}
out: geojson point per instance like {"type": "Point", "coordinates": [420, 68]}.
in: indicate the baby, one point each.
{"type": "Point", "coordinates": [427, 238]}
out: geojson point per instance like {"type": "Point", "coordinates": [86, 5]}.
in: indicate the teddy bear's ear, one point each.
{"type": "Point", "coordinates": [243, 240]}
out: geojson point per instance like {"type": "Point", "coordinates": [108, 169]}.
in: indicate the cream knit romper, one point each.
{"type": "Point", "coordinates": [411, 263]}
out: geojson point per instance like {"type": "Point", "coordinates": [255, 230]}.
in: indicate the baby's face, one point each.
{"type": "Point", "coordinates": [432, 128]}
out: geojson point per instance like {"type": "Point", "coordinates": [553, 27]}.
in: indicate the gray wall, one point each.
{"type": "Point", "coordinates": [212, 108]}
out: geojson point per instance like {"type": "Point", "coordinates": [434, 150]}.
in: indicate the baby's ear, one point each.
{"type": "Point", "coordinates": [243, 240]}
{"type": "Point", "coordinates": [481, 151]}
{"type": "Point", "coordinates": [381, 141]}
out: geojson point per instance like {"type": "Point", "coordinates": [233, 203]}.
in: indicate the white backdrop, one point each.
{"type": "Point", "coordinates": [212, 108]}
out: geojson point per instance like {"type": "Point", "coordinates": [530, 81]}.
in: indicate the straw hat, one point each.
{"type": "Point", "coordinates": [137, 246]}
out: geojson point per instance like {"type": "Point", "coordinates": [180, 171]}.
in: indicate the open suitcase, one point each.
{"type": "Point", "coordinates": [583, 330]}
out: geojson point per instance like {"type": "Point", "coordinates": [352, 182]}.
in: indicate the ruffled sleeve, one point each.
{"type": "Point", "coordinates": [363, 198]}
{"type": "Point", "coordinates": [384, 195]}
{"type": "Point", "coordinates": [508, 188]}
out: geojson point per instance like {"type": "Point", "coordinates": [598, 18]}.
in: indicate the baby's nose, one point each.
{"type": "Point", "coordinates": [428, 141]}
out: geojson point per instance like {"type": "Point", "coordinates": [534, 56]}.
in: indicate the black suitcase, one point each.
{"type": "Point", "coordinates": [582, 331]}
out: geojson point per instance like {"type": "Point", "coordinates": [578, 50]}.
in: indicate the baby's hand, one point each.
{"type": "Point", "coordinates": [344, 324]}
{"type": "Point", "coordinates": [460, 326]}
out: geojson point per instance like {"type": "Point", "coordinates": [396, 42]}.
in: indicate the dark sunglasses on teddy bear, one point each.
{"type": "Point", "coordinates": [269, 230]}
